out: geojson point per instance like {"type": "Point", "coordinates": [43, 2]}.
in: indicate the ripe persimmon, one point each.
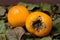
{"type": "Point", "coordinates": [39, 23]}
{"type": "Point", "coordinates": [17, 15]}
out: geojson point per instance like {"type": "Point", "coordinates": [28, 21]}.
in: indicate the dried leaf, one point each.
{"type": "Point", "coordinates": [56, 8]}
{"type": "Point", "coordinates": [5, 17]}
{"type": "Point", "coordinates": [2, 11]}
{"type": "Point", "coordinates": [2, 27]}
{"type": "Point", "coordinates": [58, 11]}
{"type": "Point", "coordinates": [19, 32]}
{"type": "Point", "coordinates": [11, 35]}
{"type": "Point", "coordinates": [2, 37]}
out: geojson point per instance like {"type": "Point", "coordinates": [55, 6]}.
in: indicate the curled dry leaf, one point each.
{"type": "Point", "coordinates": [19, 32]}
{"type": "Point", "coordinates": [15, 34]}
{"type": "Point", "coordinates": [10, 34]}
{"type": "Point", "coordinates": [5, 17]}
{"type": "Point", "coordinates": [2, 11]}
{"type": "Point", "coordinates": [2, 37]}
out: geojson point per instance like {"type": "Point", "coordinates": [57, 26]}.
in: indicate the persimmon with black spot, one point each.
{"type": "Point", "coordinates": [39, 23]}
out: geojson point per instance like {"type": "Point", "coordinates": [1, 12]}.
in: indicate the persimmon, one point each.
{"type": "Point", "coordinates": [39, 23]}
{"type": "Point", "coordinates": [17, 15]}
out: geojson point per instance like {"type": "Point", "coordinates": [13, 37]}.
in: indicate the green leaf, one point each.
{"type": "Point", "coordinates": [32, 6]}
{"type": "Point", "coordinates": [56, 25]}
{"type": "Point", "coordinates": [37, 38]}
{"type": "Point", "coordinates": [29, 39]}
{"type": "Point", "coordinates": [2, 11]}
{"type": "Point", "coordinates": [2, 27]}
{"type": "Point", "coordinates": [7, 25]}
{"type": "Point", "coordinates": [46, 38]}
{"type": "Point", "coordinates": [22, 4]}
{"type": "Point", "coordinates": [2, 37]}
{"type": "Point", "coordinates": [9, 7]}
{"type": "Point", "coordinates": [56, 21]}
{"type": "Point", "coordinates": [46, 7]}
{"type": "Point", "coordinates": [56, 39]}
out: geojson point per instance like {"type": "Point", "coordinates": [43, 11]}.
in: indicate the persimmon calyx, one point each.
{"type": "Point", "coordinates": [38, 24]}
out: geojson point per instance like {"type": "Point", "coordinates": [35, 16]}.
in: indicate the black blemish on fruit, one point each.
{"type": "Point", "coordinates": [38, 24]}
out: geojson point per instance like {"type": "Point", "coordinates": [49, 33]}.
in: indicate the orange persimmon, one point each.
{"type": "Point", "coordinates": [39, 23]}
{"type": "Point", "coordinates": [17, 15]}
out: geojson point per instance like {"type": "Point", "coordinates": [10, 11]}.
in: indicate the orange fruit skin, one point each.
{"type": "Point", "coordinates": [17, 15]}
{"type": "Point", "coordinates": [45, 19]}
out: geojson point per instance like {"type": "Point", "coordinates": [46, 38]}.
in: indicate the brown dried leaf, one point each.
{"type": "Point", "coordinates": [11, 35]}
{"type": "Point", "coordinates": [2, 11]}
{"type": "Point", "coordinates": [19, 32]}
{"type": "Point", "coordinates": [2, 37]}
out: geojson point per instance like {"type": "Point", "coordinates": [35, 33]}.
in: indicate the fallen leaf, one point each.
{"type": "Point", "coordinates": [2, 37]}
{"type": "Point", "coordinates": [46, 38]}
{"type": "Point", "coordinates": [19, 32]}
{"type": "Point", "coordinates": [2, 11]}
{"type": "Point", "coordinates": [10, 34]}
{"type": "Point", "coordinates": [2, 27]}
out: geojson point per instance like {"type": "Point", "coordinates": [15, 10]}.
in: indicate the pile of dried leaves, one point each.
{"type": "Point", "coordinates": [6, 33]}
